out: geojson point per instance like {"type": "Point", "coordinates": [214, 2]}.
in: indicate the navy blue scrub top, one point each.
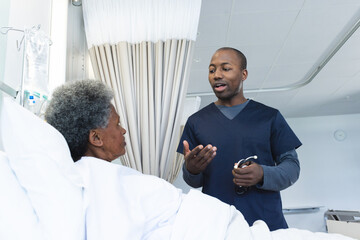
{"type": "Point", "coordinates": [257, 130]}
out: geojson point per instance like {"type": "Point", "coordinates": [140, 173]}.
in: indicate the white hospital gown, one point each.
{"type": "Point", "coordinates": [125, 204]}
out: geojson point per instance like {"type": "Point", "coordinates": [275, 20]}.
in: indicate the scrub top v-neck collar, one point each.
{"type": "Point", "coordinates": [236, 116]}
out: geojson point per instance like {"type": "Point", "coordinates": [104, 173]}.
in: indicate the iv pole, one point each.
{"type": "Point", "coordinates": [4, 87]}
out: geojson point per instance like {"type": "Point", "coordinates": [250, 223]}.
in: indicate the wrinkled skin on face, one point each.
{"type": "Point", "coordinates": [113, 137]}
{"type": "Point", "coordinates": [107, 143]}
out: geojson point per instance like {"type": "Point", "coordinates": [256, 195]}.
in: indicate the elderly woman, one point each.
{"type": "Point", "coordinates": [122, 203]}
{"type": "Point", "coordinates": [83, 113]}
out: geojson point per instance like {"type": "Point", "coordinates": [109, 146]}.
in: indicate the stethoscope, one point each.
{"type": "Point", "coordinates": [241, 164]}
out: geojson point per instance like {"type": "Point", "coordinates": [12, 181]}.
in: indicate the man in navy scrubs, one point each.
{"type": "Point", "coordinates": [234, 128]}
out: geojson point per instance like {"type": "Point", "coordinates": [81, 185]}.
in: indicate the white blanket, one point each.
{"type": "Point", "coordinates": [204, 217]}
{"type": "Point", "coordinates": [125, 204]}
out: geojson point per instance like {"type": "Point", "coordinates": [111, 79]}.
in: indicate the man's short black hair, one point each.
{"type": "Point", "coordinates": [241, 56]}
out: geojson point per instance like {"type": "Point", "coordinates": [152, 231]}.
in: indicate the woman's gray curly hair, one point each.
{"type": "Point", "coordinates": [76, 108]}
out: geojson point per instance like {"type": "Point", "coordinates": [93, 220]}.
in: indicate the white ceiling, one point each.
{"type": "Point", "coordinates": [285, 41]}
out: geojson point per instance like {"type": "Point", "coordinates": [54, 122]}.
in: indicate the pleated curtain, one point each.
{"type": "Point", "coordinates": [142, 49]}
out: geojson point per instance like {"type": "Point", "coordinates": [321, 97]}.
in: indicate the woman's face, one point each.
{"type": "Point", "coordinates": [113, 137]}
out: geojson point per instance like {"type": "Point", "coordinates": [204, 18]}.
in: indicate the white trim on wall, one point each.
{"type": "Point", "coordinates": [58, 34]}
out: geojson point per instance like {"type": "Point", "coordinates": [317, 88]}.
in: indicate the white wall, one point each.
{"type": "Point", "coordinates": [4, 19]}
{"type": "Point", "coordinates": [58, 34]}
{"type": "Point", "coordinates": [330, 169]}
{"type": "Point", "coordinates": [78, 65]}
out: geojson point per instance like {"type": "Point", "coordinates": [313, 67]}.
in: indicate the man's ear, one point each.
{"type": "Point", "coordinates": [244, 74]}
{"type": "Point", "coordinates": [95, 138]}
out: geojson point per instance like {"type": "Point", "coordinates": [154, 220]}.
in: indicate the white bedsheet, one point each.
{"type": "Point", "coordinates": [203, 217]}
{"type": "Point", "coordinates": [125, 204]}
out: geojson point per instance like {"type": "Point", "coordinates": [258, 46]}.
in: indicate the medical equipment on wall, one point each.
{"type": "Point", "coordinates": [34, 92]}
{"type": "Point", "coordinates": [242, 163]}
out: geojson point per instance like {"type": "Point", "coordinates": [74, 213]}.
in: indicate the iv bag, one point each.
{"type": "Point", "coordinates": [35, 75]}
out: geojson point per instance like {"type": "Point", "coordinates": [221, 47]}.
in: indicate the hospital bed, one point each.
{"type": "Point", "coordinates": [42, 196]}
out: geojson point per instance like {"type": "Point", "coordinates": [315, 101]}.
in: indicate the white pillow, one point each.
{"type": "Point", "coordinates": [41, 160]}
{"type": "Point", "coordinates": [17, 217]}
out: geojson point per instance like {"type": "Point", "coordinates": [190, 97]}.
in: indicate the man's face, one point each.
{"type": "Point", "coordinates": [225, 75]}
{"type": "Point", "coordinates": [113, 137]}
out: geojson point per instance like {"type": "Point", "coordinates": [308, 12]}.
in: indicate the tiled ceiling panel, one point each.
{"type": "Point", "coordinates": [315, 33]}
{"type": "Point", "coordinates": [241, 6]}
{"type": "Point", "coordinates": [260, 28]}
{"type": "Point", "coordinates": [285, 42]}
{"type": "Point", "coordinates": [212, 31]}
{"type": "Point", "coordinates": [287, 74]}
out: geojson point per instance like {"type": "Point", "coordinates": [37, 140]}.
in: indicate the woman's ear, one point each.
{"type": "Point", "coordinates": [95, 138]}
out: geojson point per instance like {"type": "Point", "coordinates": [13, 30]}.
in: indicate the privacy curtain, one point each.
{"type": "Point", "coordinates": [142, 49]}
